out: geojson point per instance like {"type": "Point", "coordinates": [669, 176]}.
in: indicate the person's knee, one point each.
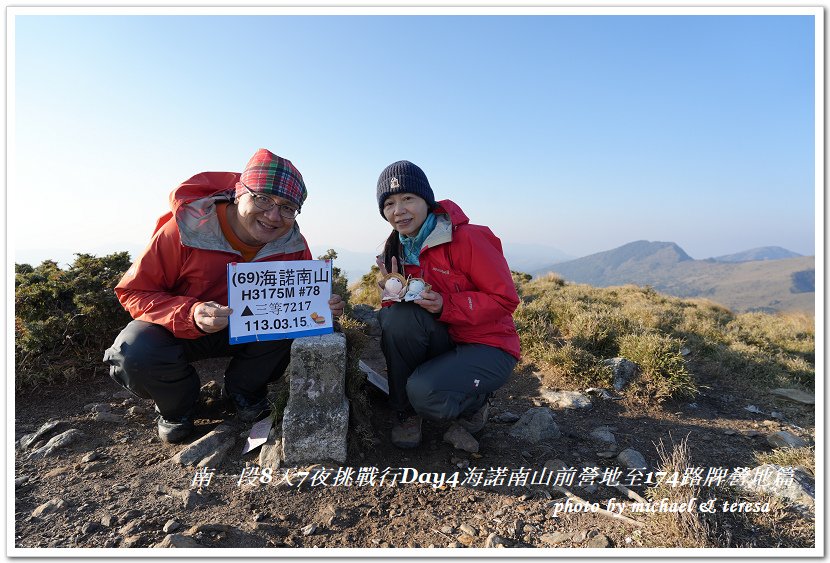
{"type": "Point", "coordinates": [426, 400]}
{"type": "Point", "coordinates": [140, 350]}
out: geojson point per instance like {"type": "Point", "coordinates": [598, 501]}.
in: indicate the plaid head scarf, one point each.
{"type": "Point", "coordinates": [271, 174]}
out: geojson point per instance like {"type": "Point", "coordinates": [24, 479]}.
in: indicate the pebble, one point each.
{"type": "Point", "coordinates": [106, 416]}
{"type": "Point", "coordinates": [90, 527]}
{"type": "Point", "coordinates": [309, 530]}
{"type": "Point", "coordinates": [179, 541]}
{"type": "Point", "coordinates": [91, 456]}
{"type": "Point", "coordinates": [603, 435]}
{"type": "Point", "coordinates": [785, 440]}
{"type": "Point", "coordinates": [466, 539]}
{"type": "Point", "coordinates": [632, 459]}
{"type": "Point", "coordinates": [795, 395]}
{"type": "Point", "coordinates": [567, 399]}
{"type": "Point", "coordinates": [555, 538]}
{"type": "Point", "coordinates": [49, 507]}
{"type": "Point", "coordinates": [61, 440]}
{"type": "Point", "coordinates": [507, 417]}
{"type": "Point", "coordinates": [447, 530]}
{"type": "Point", "coordinates": [171, 526]}
{"type": "Point", "coordinates": [599, 541]}
{"type": "Point", "coordinates": [455, 544]}
{"type": "Point", "coordinates": [467, 529]}
{"type": "Point", "coordinates": [108, 520]}
{"type": "Point", "coordinates": [494, 540]}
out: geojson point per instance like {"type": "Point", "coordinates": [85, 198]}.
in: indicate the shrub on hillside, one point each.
{"type": "Point", "coordinates": [65, 319]}
{"type": "Point", "coordinates": [663, 369]}
{"type": "Point", "coordinates": [339, 282]}
{"type": "Point", "coordinates": [366, 291]}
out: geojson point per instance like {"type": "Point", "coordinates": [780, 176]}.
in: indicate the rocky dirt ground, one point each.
{"type": "Point", "coordinates": [116, 486]}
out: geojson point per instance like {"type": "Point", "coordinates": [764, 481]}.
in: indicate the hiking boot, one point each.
{"type": "Point", "coordinates": [461, 439]}
{"type": "Point", "coordinates": [247, 411]}
{"type": "Point", "coordinates": [476, 421]}
{"type": "Point", "coordinates": [174, 430]}
{"type": "Point", "coordinates": [406, 433]}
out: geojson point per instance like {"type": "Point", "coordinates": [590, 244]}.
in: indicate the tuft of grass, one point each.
{"type": "Point", "coordinates": [662, 367]}
{"type": "Point", "coordinates": [790, 457]}
{"type": "Point", "coordinates": [365, 291]}
{"type": "Point", "coordinates": [360, 425]}
{"type": "Point", "coordinates": [678, 529]}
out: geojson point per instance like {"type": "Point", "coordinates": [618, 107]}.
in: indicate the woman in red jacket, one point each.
{"type": "Point", "coordinates": [449, 349]}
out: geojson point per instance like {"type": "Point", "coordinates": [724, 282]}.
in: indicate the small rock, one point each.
{"type": "Point", "coordinates": [460, 439]}
{"type": "Point", "coordinates": [535, 425]}
{"type": "Point", "coordinates": [91, 456]}
{"type": "Point", "coordinates": [206, 445]}
{"type": "Point", "coordinates": [22, 480]}
{"type": "Point", "coordinates": [624, 371]}
{"type": "Point", "coordinates": [730, 432]}
{"type": "Point", "coordinates": [506, 417]}
{"type": "Point", "coordinates": [108, 520]}
{"type": "Point", "coordinates": [106, 417]}
{"type": "Point", "coordinates": [132, 540]}
{"type": "Point", "coordinates": [467, 529]}
{"type": "Point", "coordinates": [685, 351]}
{"type": "Point", "coordinates": [495, 540]}
{"type": "Point", "coordinates": [567, 399]}
{"type": "Point", "coordinates": [131, 527]}
{"type": "Point", "coordinates": [137, 411]}
{"type": "Point", "coordinates": [599, 541]}
{"type": "Point", "coordinates": [270, 455]}
{"type": "Point", "coordinates": [171, 526]}
{"type": "Point", "coordinates": [753, 409]}
{"type": "Point", "coordinates": [447, 530]}
{"type": "Point", "coordinates": [455, 544]}
{"type": "Point", "coordinates": [555, 538]}
{"type": "Point", "coordinates": [90, 527]}
{"type": "Point", "coordinates": [603, 435]}
{"type": "Point", "coordinates": [192, 498]}
{"type": "Point", "coordinates": [632, 459]}
{"type": "Point", "coordinates": [49, 507]}
{"type": "Point", "coordinates": [601, 393]}
{"type": "Point", "coordinates": [785, 440]}
{"type": "Point", "coordinates": [46, 429]}
{"type": "Point", "coordinates": [795, 395]}
{"type": "Point", "coordinates": [580, 536]}
{"type": "Point", "coordinates": [606, 454]}
{"type": "Point", "coordinates": [57, 442]}
{"type": "Point", "coordinates": [178, 541]}
{"type": "Point", "coordinates": [309, 530]}
{"type": "Point", "coordinates": [466, 539]}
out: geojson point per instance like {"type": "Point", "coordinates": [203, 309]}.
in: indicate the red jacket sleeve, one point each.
{"type": "Point", "coordinates": [147, 290]}
{"type": "Point", "coordinates": [478, 256]}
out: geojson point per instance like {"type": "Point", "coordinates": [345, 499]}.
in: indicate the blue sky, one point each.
{"type": "Point", "coordinates": [578, 133]}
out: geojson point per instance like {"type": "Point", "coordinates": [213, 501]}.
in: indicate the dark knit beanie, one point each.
{"type": "Point", "coordinates": [403, 177]}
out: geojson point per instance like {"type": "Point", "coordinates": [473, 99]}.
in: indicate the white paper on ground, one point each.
{"type": "Point", "coordinates": [258, 435]}
{"type": "Point", "coordinates": [374, 378]}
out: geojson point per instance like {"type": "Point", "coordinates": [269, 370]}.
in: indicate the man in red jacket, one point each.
{"type": "Point", "coordinates": [177, 291]}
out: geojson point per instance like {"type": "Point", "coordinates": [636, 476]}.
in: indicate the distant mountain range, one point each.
{"type": "Point", "coordinates": [765, 279]}
{"type": "Point", "coordinates": [762, 253]}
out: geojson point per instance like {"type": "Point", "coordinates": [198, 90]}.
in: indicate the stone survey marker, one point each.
{"type": "Point", "coordinates": [316, 419]}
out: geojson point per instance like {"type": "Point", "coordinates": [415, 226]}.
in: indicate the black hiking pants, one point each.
{"type": "Point", "coordinates": [429, 373]}
{"type": "Point", "coordinates": [152, 363]}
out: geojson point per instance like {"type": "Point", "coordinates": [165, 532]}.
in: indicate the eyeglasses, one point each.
{"type": "Point", "coordinates": [267, 204]}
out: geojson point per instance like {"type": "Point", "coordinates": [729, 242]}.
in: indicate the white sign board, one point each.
{"type": "Point", "coordinates": [275, 300]}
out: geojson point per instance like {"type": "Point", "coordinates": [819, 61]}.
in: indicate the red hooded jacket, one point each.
{"type": "Point", "coordinates": [186, 261]}
{"type": "Point", "coordinates": [465, 264]}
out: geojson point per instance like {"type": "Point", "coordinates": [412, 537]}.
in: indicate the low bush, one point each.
{"type": "Point", "coordinates": [65, 319]}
